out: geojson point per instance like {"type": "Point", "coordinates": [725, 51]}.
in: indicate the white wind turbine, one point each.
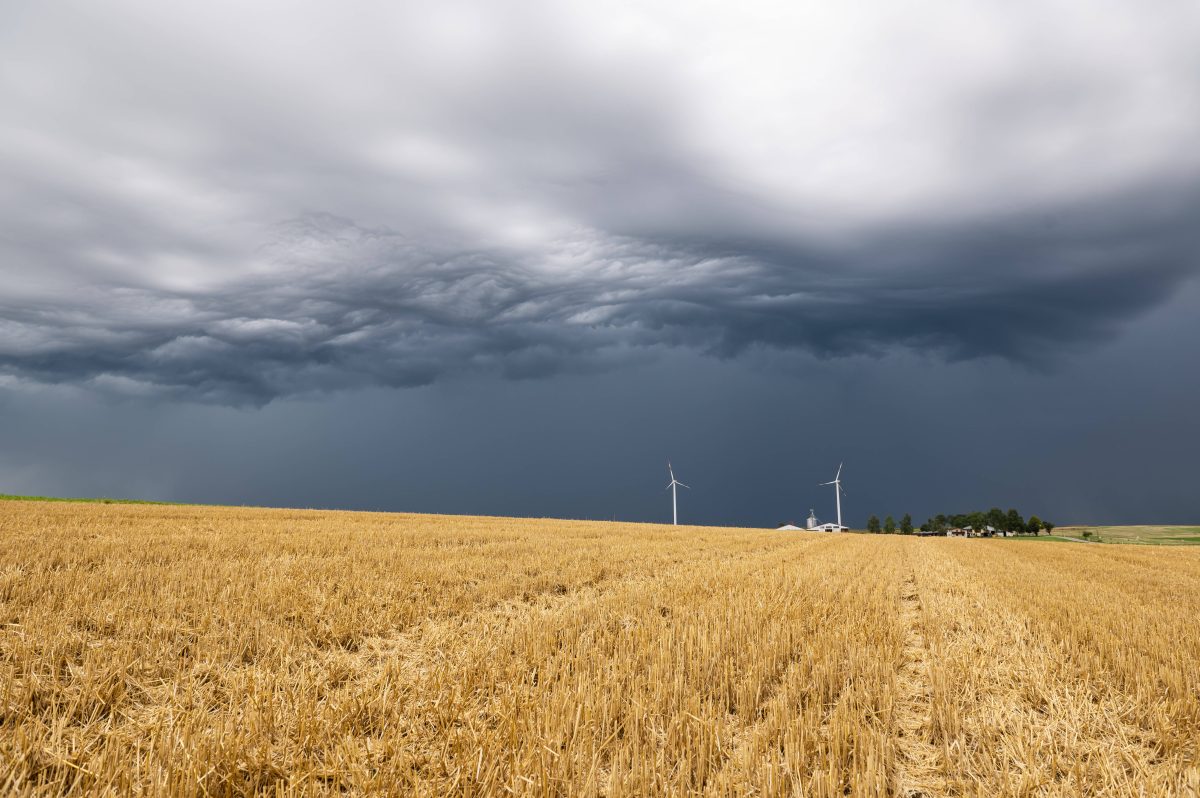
{"type": "Point", "coordinates": [674, 498]}
{"type": "Point", "coordinates": [838, 490]}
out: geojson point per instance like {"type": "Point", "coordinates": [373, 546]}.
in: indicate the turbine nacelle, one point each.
{"type": "Point", "coordinates": [837, 480]}
{"type": "Point", "coordinates": [674, 481]}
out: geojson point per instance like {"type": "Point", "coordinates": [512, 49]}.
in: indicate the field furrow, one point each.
{"type": "Point", "coordinates": [919, 765]}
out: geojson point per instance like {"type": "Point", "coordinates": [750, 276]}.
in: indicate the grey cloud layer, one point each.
{"type": "Point", "coordinates": [317, 202]}
{"type": "Point", "coordinates": [359, 306]}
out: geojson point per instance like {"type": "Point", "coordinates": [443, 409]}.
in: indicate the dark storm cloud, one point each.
{"type": "Point", "coordinates": [357, 306]}
{"type": "Point", "coordinates": [312, 201]}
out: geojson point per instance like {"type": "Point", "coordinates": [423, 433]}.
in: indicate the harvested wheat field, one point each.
{"type": "Point", "coordinates": [223, 651]}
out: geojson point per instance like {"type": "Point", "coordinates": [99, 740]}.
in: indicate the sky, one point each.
{"type": "Point", "coordinates": [509, 257]}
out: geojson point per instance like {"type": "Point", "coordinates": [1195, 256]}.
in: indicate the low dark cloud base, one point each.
{"type": "Point", "coordinates": [352, 306]}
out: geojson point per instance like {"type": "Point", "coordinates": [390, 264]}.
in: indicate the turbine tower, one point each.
{"type": "Point", "coordinates": [837, 491]}
{"type": "Point", "coordinates": [674, 498]}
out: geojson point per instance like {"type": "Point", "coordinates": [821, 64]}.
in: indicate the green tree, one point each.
{"type": "Point", "coordinates": [906, 525]}
{"type": "Point", "coordinates": [873, 524]}
{"type": "Point", "coordinates": [1049, 527]}
{"type": "Point", "coordinates": [996, 518]}
{"type": "Point", "coordinates": [1034, 525]}
{"type": "Point", "coordinates": [940, 522]}
{"type": "Point", "coordinates": [927, 526]}
{"type": "Point", "coordinates": [1013, 522]}
{"type": "Point", "coordinates": [889, 525]}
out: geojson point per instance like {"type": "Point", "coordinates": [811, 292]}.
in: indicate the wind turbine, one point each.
{"type": "Point", "coordinates": [674, 497]}
{"type": "Point", "coordinates": [838, 490]}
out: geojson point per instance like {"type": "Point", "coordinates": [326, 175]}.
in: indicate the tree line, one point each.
{"type": "Point", "coordinates": [889, 525]}
{"type": "Point", "coordinates": [1012, 522]}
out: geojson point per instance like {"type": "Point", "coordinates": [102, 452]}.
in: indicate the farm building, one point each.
{"type": "Point", "coordinates": [815, 526]}
{"type": "Point", "coordinates": [972, 532]}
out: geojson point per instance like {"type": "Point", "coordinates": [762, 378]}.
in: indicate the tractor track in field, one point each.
{"type": "Point", "coordinates": [918, 761]}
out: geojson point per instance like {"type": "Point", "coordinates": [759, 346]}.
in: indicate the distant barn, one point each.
{"type": "Point", "coordinates": [813, 525]}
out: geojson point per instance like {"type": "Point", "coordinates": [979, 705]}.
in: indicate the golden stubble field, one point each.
{"type": "Point", "coordinates": [221, 651]}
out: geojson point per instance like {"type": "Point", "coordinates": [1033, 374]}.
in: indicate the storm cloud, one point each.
{"type": "Point", "coordinates": [354, 306]}
{"type": "Point", "coordinates": [233, 205]}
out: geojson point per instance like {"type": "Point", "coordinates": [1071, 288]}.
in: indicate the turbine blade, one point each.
{"type": "Point", "coordinates": [680, 484]}
{"type": "Point", "coordinates": [839, 473]}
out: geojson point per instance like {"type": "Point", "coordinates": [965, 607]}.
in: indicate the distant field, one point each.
{"type": "Point", "coordinates": [1043, 538]}
{"type": "Point", "coordinates": [10, 497]}
{"type": "Point", "coordinates": [1151, 535]}
{"type": "Point", "coordinates": [183, 650]}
